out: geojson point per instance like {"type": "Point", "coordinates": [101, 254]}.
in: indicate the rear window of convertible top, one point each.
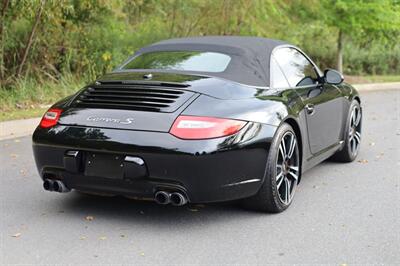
{"type": "Point", "coordinates": [180, 60]}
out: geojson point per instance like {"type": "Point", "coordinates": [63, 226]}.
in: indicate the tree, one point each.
{"type": "Point", "coordinates": [2, 34]}
{"type": "Point", "coordinates": [31, 36]}
{"type": "Point", "coordinates": [361, 18]}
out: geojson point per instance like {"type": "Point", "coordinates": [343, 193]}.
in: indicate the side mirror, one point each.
{"type": "Point", "coordinates": [332, 76]}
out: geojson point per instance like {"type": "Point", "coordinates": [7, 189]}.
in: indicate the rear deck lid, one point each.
{"type": "Point", "coordinates": [134, 105]}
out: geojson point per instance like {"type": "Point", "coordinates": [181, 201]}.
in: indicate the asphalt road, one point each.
{"type": "Point", "coordinates": [342, 214]}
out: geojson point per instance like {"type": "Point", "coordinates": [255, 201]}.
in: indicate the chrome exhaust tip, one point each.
{"type": "Point", "coordinates": [59, 186]}
{"type": "Point", "coordinates": [178, 199]}
{"type": "Point", "coordinates": [162, 197]}
{"type": "Point", "coordinates": [48, 185]}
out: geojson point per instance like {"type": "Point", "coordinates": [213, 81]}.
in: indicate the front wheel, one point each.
{"type": "Point", "coordinates": [282, 173]}
{"type": "Point", "coordinates": [352, 139]}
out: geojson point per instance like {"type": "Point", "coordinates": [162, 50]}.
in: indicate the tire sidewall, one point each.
{"type": "Point", "coordinates": [347, 147]}
{"type": "Point", "coordinates": [270, 173]}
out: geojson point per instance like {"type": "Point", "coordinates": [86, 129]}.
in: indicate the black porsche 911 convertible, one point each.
{"type": "Point", "coordinates": [201, 119]}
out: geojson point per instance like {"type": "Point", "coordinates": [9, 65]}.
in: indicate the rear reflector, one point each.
{"type": "Point", "coordinates": [50, 118]}
{"type": "Point", "coordinates": [197, 127]}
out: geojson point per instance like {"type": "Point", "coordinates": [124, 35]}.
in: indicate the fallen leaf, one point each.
{"type": "Point", "coordinates": [14, 156]}
{"type": "Point", "coordinates": [17, 140]}
{"type": "Point", "coordinates": [82, 238]}
{"type": "Point", "coordinates": [372, 144]}
{"type": "Point", "coordinates": [141, 253]}
{"type": "Point", "coordinates": [22, 172]}
{"type": "Point", "coordinates": [103, 238]}
{"type": "Point", "coordinates": [89, 218]}
{"type": "Point", "coordinates": [363, 161]}
{"type": "Point", "coordinates": [193, 209]}
{"type": "Point", "coordinates": [16, 235]}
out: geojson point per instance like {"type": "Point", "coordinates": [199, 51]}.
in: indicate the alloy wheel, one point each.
{"type": "Point", "coordinates": [355, 130]}
{"type": "Point", "coordinates": [287, 168]}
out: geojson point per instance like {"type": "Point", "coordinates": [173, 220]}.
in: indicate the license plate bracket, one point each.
{"type": "Point", "coordinates": [104, 165]}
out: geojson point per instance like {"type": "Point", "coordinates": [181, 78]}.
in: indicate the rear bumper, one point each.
{"type": "Point", "coordinates": [205, 170]}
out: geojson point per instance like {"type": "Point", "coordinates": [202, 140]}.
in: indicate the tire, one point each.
{"type": "Point", "coordinates": [270, 197]}
{"type": "Point", "coordinates": [352, 135]}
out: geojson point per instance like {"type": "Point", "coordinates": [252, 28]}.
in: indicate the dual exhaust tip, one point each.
{"type": "Point", "coordinates": [175, 198]}
{"type": "Point", "coordinates": [161, 197]}
{"type": "Point", "coordinates": [55, 185]}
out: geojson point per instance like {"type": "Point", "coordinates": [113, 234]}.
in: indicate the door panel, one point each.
{"type": "Point", "coordinates": [323, 103]}
{"type": "Point", "coordinates": [324, 123]}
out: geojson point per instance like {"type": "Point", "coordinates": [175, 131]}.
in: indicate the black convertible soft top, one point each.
{"type": "Point", "coordinates": [250, 56]}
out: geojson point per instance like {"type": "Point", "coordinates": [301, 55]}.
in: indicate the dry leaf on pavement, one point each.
{"type": "Point", "coordinates": [89, 218]}
{"type": "Point", "coordinates": [16, 235]}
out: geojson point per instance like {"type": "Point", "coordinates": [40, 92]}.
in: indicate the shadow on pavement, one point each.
{"type": "Point", "coordinates": [136, 211]}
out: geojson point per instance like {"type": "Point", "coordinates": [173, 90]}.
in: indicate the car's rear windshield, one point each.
{"type": "Point", "coordinates": [180, 60]}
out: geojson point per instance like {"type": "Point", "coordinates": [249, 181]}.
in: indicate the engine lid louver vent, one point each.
{"type": "Point", "coordinates": [142, 97]}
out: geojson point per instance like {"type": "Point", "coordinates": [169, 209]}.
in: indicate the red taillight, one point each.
{"type": "Point", "coordinates": [197, 127]}
{"type": "Point", "coordinates": [50, 118]}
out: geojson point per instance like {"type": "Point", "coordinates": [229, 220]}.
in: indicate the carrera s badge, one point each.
{"type": "Point", "coordinates": [126, 121]}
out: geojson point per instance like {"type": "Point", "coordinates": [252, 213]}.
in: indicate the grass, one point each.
{"type": "Point", "coordinates": [29, 98]}
{"type": "Point", "coordinates": [22, 114]}
{"type": "Point", "coordinates": [372, 79]}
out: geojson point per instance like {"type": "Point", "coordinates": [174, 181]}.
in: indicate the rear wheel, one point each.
{"type": "Point", "coordinates": [282, 173]}
{"type": "Point", "coordinates": [352, 140]}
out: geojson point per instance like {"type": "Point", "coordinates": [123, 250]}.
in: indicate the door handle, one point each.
{"type": "Point", "coordinates": [309, 108]}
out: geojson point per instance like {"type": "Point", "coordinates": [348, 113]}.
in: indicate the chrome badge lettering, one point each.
{"type": "Point", "coordinates": [126, 121]}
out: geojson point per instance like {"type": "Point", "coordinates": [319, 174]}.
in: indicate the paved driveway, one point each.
{"type": "Point", "coordinates": [342, 213]}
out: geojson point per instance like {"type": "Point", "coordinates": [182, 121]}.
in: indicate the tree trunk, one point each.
{"type": "Point", "coordinates": [174, 8]}
{"type": "Point", "coordinates": [340, 52]}
{"type": "Point", "coordinates": [30, 39]}
{"type": "Point", "coordinates": [2, 36]}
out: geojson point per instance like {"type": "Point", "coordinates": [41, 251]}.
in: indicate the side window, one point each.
{"type": "Point", "coordinates": [278, 79]}
{"type": "Point", "coordinates": [296, 67]}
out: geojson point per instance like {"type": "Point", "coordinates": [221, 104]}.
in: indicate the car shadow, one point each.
{"type": "Point", "coordinates": [151, 213]}
{"type": "Point", "coordinates": [132, 211]}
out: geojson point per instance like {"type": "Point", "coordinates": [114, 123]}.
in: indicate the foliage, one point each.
{"type": "Point", "coordinates": [77, 40]}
